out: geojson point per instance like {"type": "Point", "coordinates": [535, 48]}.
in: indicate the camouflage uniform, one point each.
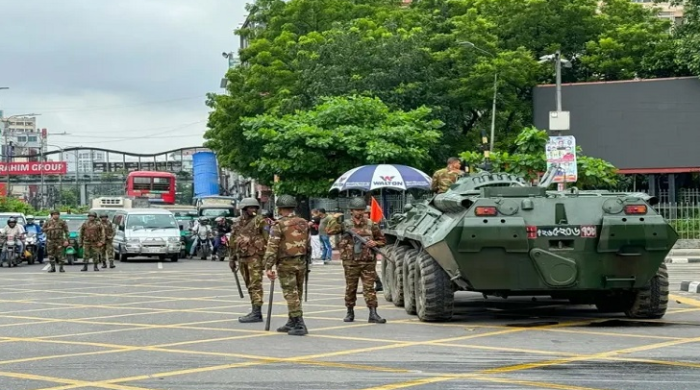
{"type": "Point", "coordinates": [249, 239]}
{"type": "Point", "coordinates": [56, 234]}
{"type": "Point", "coordinates": [108, 248]}
{"type": "Point", "coordinates": [92, 238]}
{"type": "Point", "coordinates": [443, 179]}
{"type": "Point", "coordinates": [359, 261]}
{"type": "Point", "coordinates": [288, 248]}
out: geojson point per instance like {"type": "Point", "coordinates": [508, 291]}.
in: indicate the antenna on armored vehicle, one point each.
{"type": "Point", "coordinates": [549, 176]}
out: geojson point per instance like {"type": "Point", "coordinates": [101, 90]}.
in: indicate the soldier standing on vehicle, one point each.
{"type": "Point", "coordinates": [57, 234]}
{"type": "Point", "coordinates": [288, 249]}
{"type": "Point", "coordinates": [445, 177]}
{"type": "Point", "coordinates": [359, 261]}
{"type": "Point", "coordinates": [249, 239]}
{"type": "Point", "coordinates": [108, 248]}
{"type": "Point", "coordinates": [92, 239]}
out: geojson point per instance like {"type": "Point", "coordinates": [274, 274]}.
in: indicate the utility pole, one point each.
{"type": "Point", "coordinates": [558, 120]}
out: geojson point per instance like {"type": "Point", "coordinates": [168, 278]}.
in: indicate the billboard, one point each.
{"type": "Point", "coordinates": [166, 166]}
{"type": "Point", "coordinates": [34, 168]}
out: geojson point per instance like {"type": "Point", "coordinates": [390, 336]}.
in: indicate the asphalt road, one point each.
{"type": "Point", "coordinates": [152, 325]}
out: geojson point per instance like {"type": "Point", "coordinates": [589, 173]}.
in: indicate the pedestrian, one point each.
{"type": "Point", "coordinates": [249, 239]}
{"type": "Point", "coordinates": [445, 177]}
{"type": "Point", "coordinates": [108, 248]}
{"type": "Point", "coordinates": [326, 247]}
{"type": "Point", "coordinates": [287, 250]}
{"type": "Point", "coordinates": [316, 248]}
{"type": "Point", "coordinates": [359, 261]}
{"type": "Point", "coordinates": [92, 239]}
{"type": "Point", "coordinates": [57, 234]}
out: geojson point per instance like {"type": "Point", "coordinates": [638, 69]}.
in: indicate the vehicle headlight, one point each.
{"type": "Point", "coordinates": [133, 241]}
{"type": "Point", "coordinates": [174, 239]}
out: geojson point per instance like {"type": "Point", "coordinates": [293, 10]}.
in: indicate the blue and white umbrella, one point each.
{"type": "Point", "coordinates": [371, 177]}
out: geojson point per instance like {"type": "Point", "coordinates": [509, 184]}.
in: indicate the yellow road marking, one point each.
{"type": "Point", "coordinates": [546, 385]}
{"type": "Point", "coordinates": [684, 300]}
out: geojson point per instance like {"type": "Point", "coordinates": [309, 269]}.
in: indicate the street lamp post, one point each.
{"type": "Point", "coordinates": [495, 92]}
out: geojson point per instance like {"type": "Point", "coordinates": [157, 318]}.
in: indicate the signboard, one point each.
{"type": "Point", "coordinates": [166, 166]}
{"type": "Point", "coordinates": [562, 150]}
{"type": "Point", "coordinates": [34, 168]}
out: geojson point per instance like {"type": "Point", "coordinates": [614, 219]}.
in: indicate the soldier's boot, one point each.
{"type": "Point", "coordinates": [254, 316]}
{"type": "Point", "coordinates": [111, 263]}
{"type": "Point", "coordinates": [374, 317]}
{"type": "Point", "coordinates": [53, 268]}
{"type": "Point", "coordinates": [94, 267]}
{"type": "Point", "coordinates": [299, 328]}
{"type": "Point", "coordinates": [378, 286]}
{"type": "Point", "coordinates": [84, 266]}
{"type": "Point", "coordinates": [60, 268]}
{"type": "Point", "coordinates": [286, 327]}
{"type": "Point", "coordinates": [350, 316]}
{"type": "Point", "coordinates": [104, 263]}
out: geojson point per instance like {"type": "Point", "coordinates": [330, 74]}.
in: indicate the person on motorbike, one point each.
{"type": "Point", "coordinates": [220, 230]}
{"type": "Point", "coordinates": [33, 227]}
{"type": "Point", "coordinates": [200, 231]}
{"type": "Point", "coordinates": [16, 230]}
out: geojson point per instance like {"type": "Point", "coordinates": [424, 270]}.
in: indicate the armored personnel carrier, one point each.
{"type": "Point", "coordinates": [495, 234]}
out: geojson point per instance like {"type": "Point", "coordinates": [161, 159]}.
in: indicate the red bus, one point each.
{"type": "Point", "coordinates": [158, 187]}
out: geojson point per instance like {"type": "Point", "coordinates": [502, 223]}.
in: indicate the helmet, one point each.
{"type": "Point", "coordinates": [55, 212]}
{"type": "Point", "coordinates": [248, 202]}
{"type": "Point", "coordinates": [12, 220]}
{"type": "Point", "coordinates": [219, 219]}
{"type": "Point", "coordinates": [286, 201]}
{"type": "Point", "coordinates": [103, 215]}
{"type": "Point", "coordinates": [30, 217]}
{"type": "Point", "coordinates": [92, 214]}
{"type": "Point", "coordinates": [357, 204]}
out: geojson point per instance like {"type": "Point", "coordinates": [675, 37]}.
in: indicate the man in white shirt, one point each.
{"type": "Point", "coordinates": [16, 230]}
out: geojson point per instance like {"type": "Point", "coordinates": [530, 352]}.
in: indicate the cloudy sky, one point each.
{"type": "Point", "coordinates": [124, 74]}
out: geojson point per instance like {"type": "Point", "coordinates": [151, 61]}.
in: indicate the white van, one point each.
{"type": "Point", "coordinates": [146, 232]}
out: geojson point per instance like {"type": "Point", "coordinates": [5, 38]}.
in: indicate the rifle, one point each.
{"type": "Point", "coordinates": [238, 282]}
{"type": "Point", "coordinates": [364, 242]}
{"type": "Point", "coordinates": [306, 276]}
{"type": "Point", "coordinates": [269, 305]}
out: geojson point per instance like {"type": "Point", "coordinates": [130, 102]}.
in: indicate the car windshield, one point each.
{"type": "Point", "coordinates": [74, 224]}
{"type": "Point", "coordinates": [217, 213]}
{"type": "Point", "coordinates": [151, 221]}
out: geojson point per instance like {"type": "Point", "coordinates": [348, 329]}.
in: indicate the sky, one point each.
{"type": "Point", "coordinates": [129, 75]}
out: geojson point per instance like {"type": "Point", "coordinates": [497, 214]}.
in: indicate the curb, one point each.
{"type": "Point", "coordinates": [684, 252]}
{"type": "Point", "coordinates": [691, 287]}
{"type": "Point", "coordinates": [682, 260]}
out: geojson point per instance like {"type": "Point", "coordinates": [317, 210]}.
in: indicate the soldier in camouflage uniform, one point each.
{"type": "Point", "coordinates": [289, 249]}
{"type": "Point", "coordinates": [445, 177]}
{"type": "Point", "coordinates": [108, 248]}
{"type": "Point", "coordinates": [92, 239]}
{"type": "Point", "coordinates": [359, 261]}
{"type": "Point", "coordinates": [57, 233]}
{"type": "Point", "coordinates": [249, 239]}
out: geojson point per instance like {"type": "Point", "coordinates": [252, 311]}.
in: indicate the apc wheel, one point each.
{"type": "Point", "coordinates": [651, 302]}
{"type": "Point", "coordinates": [434, 294]}
{"type": "Point", "coordinates": [388, 274]}
{"type": "Point", "coordinates": [409, 280]}
{"type": "Point", "coordinates": [399, 279]}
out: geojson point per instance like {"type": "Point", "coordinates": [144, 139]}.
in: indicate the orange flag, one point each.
{"type": "Point", "coordinates": [375, 212]}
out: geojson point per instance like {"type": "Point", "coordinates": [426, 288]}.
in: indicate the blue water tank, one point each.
{"type": "Point", "coordinates": [205, 173]}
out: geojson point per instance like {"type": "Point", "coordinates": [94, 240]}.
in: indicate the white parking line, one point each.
{"type": "Point", "coordinates": [47, 266]}
{"type": "Point", "coordinates": [160, 265]}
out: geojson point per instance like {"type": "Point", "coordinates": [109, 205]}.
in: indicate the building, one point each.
{"type": "Point", "coordinates": [666, 10]}
{"type": "Point", "coordinates": [25, 138]}
{"type": "Point", "coordinates": [83, 160]}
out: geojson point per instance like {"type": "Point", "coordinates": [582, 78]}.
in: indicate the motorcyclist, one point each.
{"type": "Point", "coordinates": [199, 231]}
{"type": "Point", "coordinates": [33, 227]}
{"type": "Point", "coordinates": [220, 229]}
{"type": "Point", "coordinates": [16, 230]}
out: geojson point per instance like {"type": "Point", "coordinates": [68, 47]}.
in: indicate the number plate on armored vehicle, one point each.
{"type": "Point", "coordinates": [586, 231]}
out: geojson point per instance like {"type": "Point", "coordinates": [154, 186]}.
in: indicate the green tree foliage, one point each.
{"type": "Point", "coordinates": [14, 205]}
{"type": "Point", "coordinates": [526, 158]}
{"type": "Point", "coordinates": [688, 34]}
{"type": "Point", "coordinates": [301, 51]}
{"type": "Point", "coordinates": [310, 149]}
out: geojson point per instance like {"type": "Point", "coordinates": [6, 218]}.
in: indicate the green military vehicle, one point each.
{"type": "Point", "coordinates": [495, 234]}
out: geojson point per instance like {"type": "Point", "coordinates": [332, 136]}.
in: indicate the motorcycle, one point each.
{"type": "Point", "coordinates": [9, 249]}
{"type": "Point", "coordinates": [71, 251]}
{"type": "Point", "coordinates": [223, 246]}
{"type": "Point", "coordinates": [31, 248]}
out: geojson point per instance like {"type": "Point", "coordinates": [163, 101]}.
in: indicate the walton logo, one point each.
{"type": "Point", "coordinates": [388, 180]}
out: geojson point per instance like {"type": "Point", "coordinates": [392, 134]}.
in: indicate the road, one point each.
{"type": "Point", "coordinates": [172, 326]}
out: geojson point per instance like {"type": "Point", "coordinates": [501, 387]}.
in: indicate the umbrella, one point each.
{"type": "Point", "coordinates": [371, 177]}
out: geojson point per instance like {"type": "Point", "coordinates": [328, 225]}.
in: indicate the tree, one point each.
{"type": "Point", "coordinates": [310, 149]}
{"type": "Point", "coordinates": [688, 36]}
{"type": "Point", "coordinates": [527, 158]}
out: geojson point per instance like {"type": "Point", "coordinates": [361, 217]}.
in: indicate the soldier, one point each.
{"type": "Point", "coordinates": [108, 248]}
{"type": "Point", "coordinates": [57, 233]}
{"type": "Point", "coordinates": [445, 177]}
{"type": "Point", "coordinates": [359, 261]}
{"type": "Point", "coordinates": [288, 249]}
{"type": "Point", "coordinates": [249, 240]}
{"type": "Point", "coordinates": [92, 239]}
